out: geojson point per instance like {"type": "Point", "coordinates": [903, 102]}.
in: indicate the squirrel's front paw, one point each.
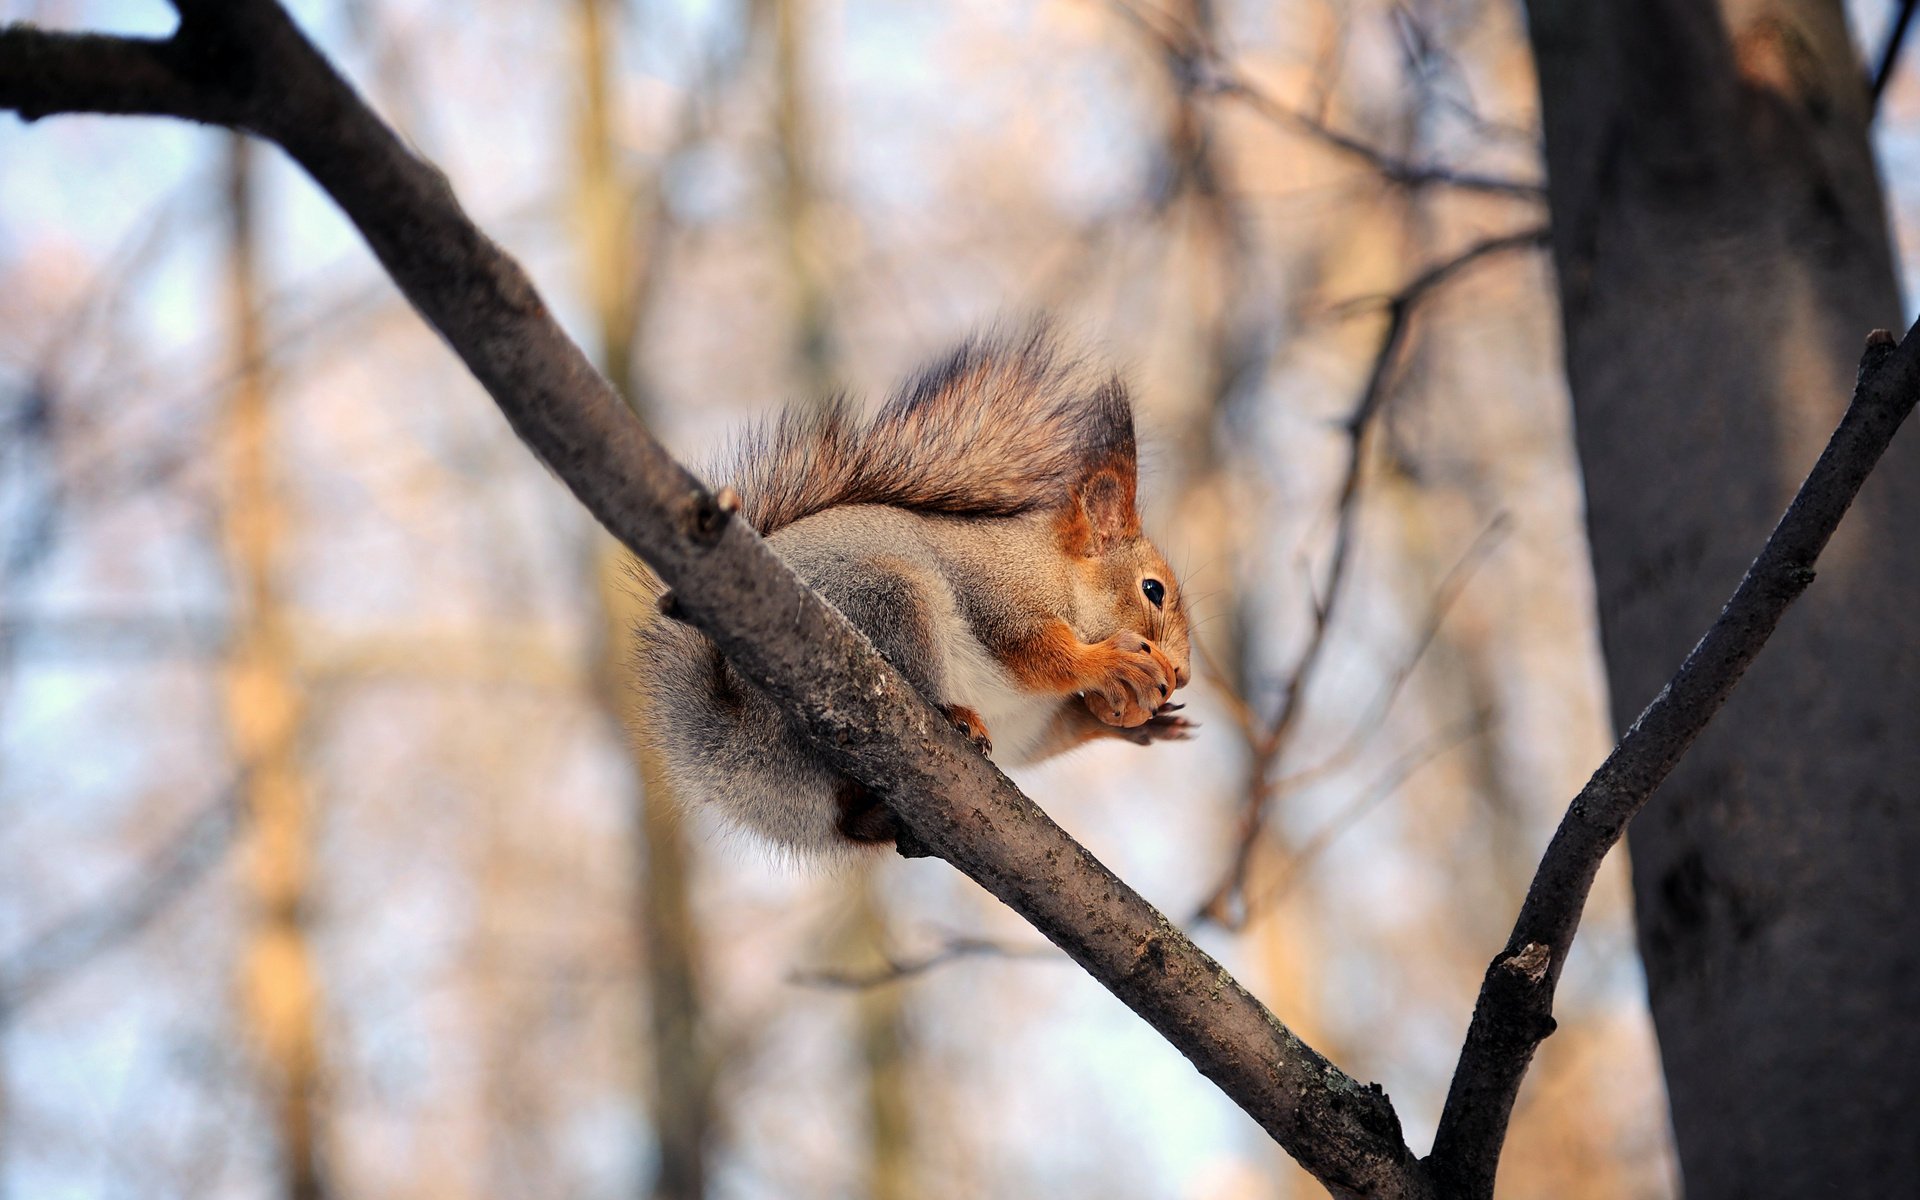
{"type": "Point", "coordinates": [968, 722]}
{"type": "Point", "coordinates": [1136, 677]}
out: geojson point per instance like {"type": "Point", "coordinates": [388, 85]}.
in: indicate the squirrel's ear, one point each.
{"type": "Point", "coordinates": [1103, 512]}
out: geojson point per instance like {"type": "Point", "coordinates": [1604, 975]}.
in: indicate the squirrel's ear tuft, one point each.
{"type": "Point", "coordinates": [1106, 433]}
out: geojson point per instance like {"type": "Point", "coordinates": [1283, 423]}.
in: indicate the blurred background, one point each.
{"type": "Point", "coordinates": [325, 866]}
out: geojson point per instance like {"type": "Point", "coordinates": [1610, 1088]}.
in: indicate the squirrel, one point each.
{"type": "Point", "coordinates": [980, 529]}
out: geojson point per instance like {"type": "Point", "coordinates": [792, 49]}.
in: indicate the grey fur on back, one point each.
{"type": "Point", "coordinates": [723, 742]}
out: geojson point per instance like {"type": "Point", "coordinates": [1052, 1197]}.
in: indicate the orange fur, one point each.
{"type": "Point", "coordinates": [969, 722]}
{"type": "Point", "coordinates": [1049, 661]}
{"type": "Point", "coordinates": [1128, 674]}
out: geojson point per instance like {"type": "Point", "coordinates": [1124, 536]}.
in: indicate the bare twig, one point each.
{"type": "Point", "coordinates": [1202, 66]}
{"type": "Point", "coordinates": [1294, 869]}
{"type": "Point", "coordinates": [243, 63]}
{"type": "Point", "coordinates": [1515, 1008]}
{"type": "Point", "coordinates": [1223, 904]}
{"type": "Point", "coordinates": [953, 949]}
{"type": "Point", "coordinates": [1890, 55]}
{"type": "Point", "coordinates": [1394, 170]}
{"type": "Point", "coordinates": [1444, 597]}
{"type": "Point", "coordinates": [125, 911]}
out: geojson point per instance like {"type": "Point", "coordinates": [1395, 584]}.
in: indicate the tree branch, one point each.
{"type": "Point", "coordinates": [1394, 170]}
{"type": "Point", "coordinates": [244, 63]}
{"type": "Point", "coordinates": [1890, 54]}
{"type": "Point", "coordinates": [954, 948]}
{"type": "Point", "coordinates": [44, 73]}
{"type": "Point", "coordinates": [1514, 1010]}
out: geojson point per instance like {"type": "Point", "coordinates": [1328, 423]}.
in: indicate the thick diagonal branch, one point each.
{"type": "Point", "coordinates": [244, 63]}
{"type": "Point", "coordinates": [1515, 1007]}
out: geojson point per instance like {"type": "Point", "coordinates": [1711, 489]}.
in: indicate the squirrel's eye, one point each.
{"type": "Point", "coordinates": [1155, 590]}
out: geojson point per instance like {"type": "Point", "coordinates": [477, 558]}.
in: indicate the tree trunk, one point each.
{"type": "Point", "coordinates": [1722, 251]}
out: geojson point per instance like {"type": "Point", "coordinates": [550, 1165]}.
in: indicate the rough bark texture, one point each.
{"type": "Point", "coordinates": [1721, 245]}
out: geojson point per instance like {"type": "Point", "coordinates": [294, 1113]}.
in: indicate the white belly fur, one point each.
{"type": "Point", "coordinates": [1016, 720]}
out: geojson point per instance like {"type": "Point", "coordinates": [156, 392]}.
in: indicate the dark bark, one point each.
{"type": "Point", "coordinates": [1721, 243]}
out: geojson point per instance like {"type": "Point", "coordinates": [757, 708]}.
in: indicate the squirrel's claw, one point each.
{"type": "Point", "coordinates": [968, 722]}
{"type": "Point", "coordinates": [1162, 726]}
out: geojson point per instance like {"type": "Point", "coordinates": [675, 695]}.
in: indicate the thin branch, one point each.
{"type": "Point", "coordinates": [1223, 904]}
{"type": "Point", "coordinates": [1515, 1007]}
{"type": "Point", "coordinates": [1890, 55]}
{"type": "Point", "coordinates": [1394, 170]}
{"type": "Point", "coordinates": [1416, 289]}
{"type": "Point", "coordinates": [1452, 585]}
{"type": "Point", "coordinates": [245, 62]}
{"type": "Point", "coordinates": [893, 970]}
{"type": "Point", "coordinates": [124, 912]}
{"type": "Point", "coordinates": [1206, 73]}
{"type": "Point", "coordinates": [1294, 869]}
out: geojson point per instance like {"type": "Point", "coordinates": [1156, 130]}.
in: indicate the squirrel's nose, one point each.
{"type": "Point", "coordinates": [1180, 676]}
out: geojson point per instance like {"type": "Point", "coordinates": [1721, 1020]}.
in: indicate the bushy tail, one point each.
{"type": "Point", "coordinates": [1003, 425]}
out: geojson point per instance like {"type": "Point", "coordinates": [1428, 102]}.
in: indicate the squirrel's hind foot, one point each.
{"type": "Point", "coordinates": [860, 817]}
{"type": "Point", "coordinates": [968, 722]}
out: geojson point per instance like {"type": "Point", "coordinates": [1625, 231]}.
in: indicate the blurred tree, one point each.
{"type": "Point", "coordinates": [617, 252]}
{"type": "Point", "coordinates": [782, 25]}
{"type": "Point", "coordinates": [279, 995]}
{"type": "Point", "coordinates": [1722, 248]}
{"type": "Point", "coordinates": [880, 1013]}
